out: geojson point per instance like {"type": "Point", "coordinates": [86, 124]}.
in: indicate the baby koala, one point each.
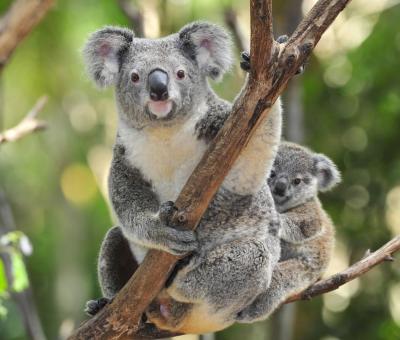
{"type": "Point", "coordinates": [307, 232]}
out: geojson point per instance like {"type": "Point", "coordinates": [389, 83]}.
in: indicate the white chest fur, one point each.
{"type": "Point", "coordinates": [166, 156]}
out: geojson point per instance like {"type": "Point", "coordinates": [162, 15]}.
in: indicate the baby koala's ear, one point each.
{"type": "Point", "coordinates": [103, 53]}
{"type": "Point", "coordinates": [326, 172]}
{"type": "Point", "coordinates": [209, 45]}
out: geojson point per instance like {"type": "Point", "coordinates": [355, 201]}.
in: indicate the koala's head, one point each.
{"type": "Point", "coordinates": [158, 81]}
{"type": "Point", "coordinates": [298, 174]}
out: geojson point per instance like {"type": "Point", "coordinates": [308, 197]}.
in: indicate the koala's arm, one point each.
{"type": "Point", "coordinates": [298, 227]}
{"type": "Point", "coordinates": [217, 113]}
{"type": "Point", "coordinates": [143, 220]}
{"type": "Point", "coordinates": [252, 168]}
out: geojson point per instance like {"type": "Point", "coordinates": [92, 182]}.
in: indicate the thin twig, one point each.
{"type": "Point", "coordinates": [28, 125]}
{"type": "Point", "coordinates": [231, 21]}
{"type": "Point", "coordinates": [18, 22]}
{"type": "Point", "coordinates": [357, 269]}
{"type": "Point", "coordinates": [134, 15]}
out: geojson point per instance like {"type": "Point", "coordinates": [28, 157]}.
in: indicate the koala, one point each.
{"type": "Point", "coordinates": [167, 116]}
{"type": "Point", "coordinates": [307, 232]}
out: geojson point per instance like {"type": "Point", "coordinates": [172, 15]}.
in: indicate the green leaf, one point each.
{"type": "Point", "coordinates": [20, 276]}
{"type": "Point", "coordinates": [3, 278]}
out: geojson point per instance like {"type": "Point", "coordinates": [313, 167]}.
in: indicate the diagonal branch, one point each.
{"type": "Point", "coordinates": [16, 24]}
{"type": "Point", "coordinates": [357, 269]}
{"type": "Point", "coordinates": [271, 70]}
{"type": "Point", "coordinates": [27, 126]}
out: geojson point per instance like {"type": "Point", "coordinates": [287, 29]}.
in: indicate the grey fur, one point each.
{"type": "Point", "coordinates": [236, 245]}
{"type": "Point", "coordinates": [307, 233]}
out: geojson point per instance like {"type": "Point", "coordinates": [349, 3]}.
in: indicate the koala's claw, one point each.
{"type": "Point", "coordinates": [243, 317]}
{"type": "Point", "coordinates": [245, 61]}
{"type": "Point", "coordinates": [245, 57]}
{"type": "Point", "coordinates": [167, 209]}
{"type": "Point", "coordinates": [282, 39]}
{"type": "Point", "coordinates": [94, 306]}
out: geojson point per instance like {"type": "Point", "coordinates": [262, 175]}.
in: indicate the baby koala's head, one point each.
{"type": "Point", "coordinates": [298, 174]}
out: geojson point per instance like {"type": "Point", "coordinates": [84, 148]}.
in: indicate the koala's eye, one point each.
{"type": "Point", "coordinates": [296, 181]}
{"type": "Point", "coordinates": [180, 74]}
{"type": "Point", "coordinates": [273, 174]}
{"type": "Point", "coordinates": [135, 77]}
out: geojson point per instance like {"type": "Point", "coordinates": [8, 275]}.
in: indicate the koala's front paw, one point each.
{"type": "Point", "coordinates": [94, 306]}
{"type": "Point", "coordinates": [282, 40]}
{"type": "Point", "coordinates": [245, 57]}
{"type": "Point", "coordinates": [174, 239]}
{"type": "Point", "coordinates": [178, 241]}
{"type": "Point", "coordinates": [167, 210]}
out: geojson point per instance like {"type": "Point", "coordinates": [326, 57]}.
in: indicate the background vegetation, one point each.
{"type": "Point", "coordinates": [55, 181]}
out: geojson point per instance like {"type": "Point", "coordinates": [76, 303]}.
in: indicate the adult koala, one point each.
{"type": "Point", "coordinates": [168, 114]}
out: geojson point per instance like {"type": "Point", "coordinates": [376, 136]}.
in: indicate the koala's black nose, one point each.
{"type": "Point", "coordinates": [158, 85]}
{"type": "Point", "coordinates": [280, 187]}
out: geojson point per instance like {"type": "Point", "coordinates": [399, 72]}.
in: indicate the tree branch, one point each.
{"type": "Point", "coordinates": [16, 24]}
{"type": "Point", "coordinates": [230, 17]}
{"type": "Point", "coordinates": [134, 15]}
{"type": "Point", "coordinates": [270, 72]}
{"type": "Point", "coordinates": [357, 269]}
{"type": "Point", "coordinates": [28, 125]}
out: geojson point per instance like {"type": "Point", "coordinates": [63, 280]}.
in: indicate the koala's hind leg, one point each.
{"type": "Point", "coordinates": [115, 266]}
{"type": "Point", "coordinates": [289, 277]}
{"type": "Point", "coordinates": [229, 273]}
{"type": "Point", "coordinates": [219, 284]}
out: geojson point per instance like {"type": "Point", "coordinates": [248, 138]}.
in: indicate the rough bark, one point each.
{"type": "Point", "coordinates": [18, 22]}
{"type": "Point", "coordinates": [272, 68]}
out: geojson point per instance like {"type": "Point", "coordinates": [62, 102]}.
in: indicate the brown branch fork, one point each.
{"type": "Point", "coordinates": [272, 66]}
{"type": "Point", "coordinates": [27, 126]}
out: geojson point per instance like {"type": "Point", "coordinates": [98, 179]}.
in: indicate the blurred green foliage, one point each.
{"type": "Point", "coordinates": [55, 179]}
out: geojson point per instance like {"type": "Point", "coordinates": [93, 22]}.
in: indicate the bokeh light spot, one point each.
{"type": "Point", "coordinates": [393, 210]}
{"type": "Point", "coordinates": [357, 197]}
{"type": "Point", "coordinates": [394, 302]}
{"type": "Point", "coordinates": [355, 139]}
{"type": "Point", "coordinates": [338, 73]}
{"type": "Point", "coordinates": [78, 184]}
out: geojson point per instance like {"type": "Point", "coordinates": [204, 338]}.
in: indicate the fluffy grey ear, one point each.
{"type": "Point", "coordinates": [326, 172]}
{"type": "Point", "coordinates": [208, 44]}
{"type": "Point", "coordinates": [103, 54]}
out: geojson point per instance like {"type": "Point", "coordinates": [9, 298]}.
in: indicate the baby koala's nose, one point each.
{"type": "Point", "coordinates": [158, 85]}
{"type": "Point", "coordinates": [280, 187]}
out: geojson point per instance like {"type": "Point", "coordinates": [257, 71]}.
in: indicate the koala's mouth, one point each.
{"type": "Point", "coordinates": [280, 199]}
{"type": "Point", "coordinates": [160, 109]}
